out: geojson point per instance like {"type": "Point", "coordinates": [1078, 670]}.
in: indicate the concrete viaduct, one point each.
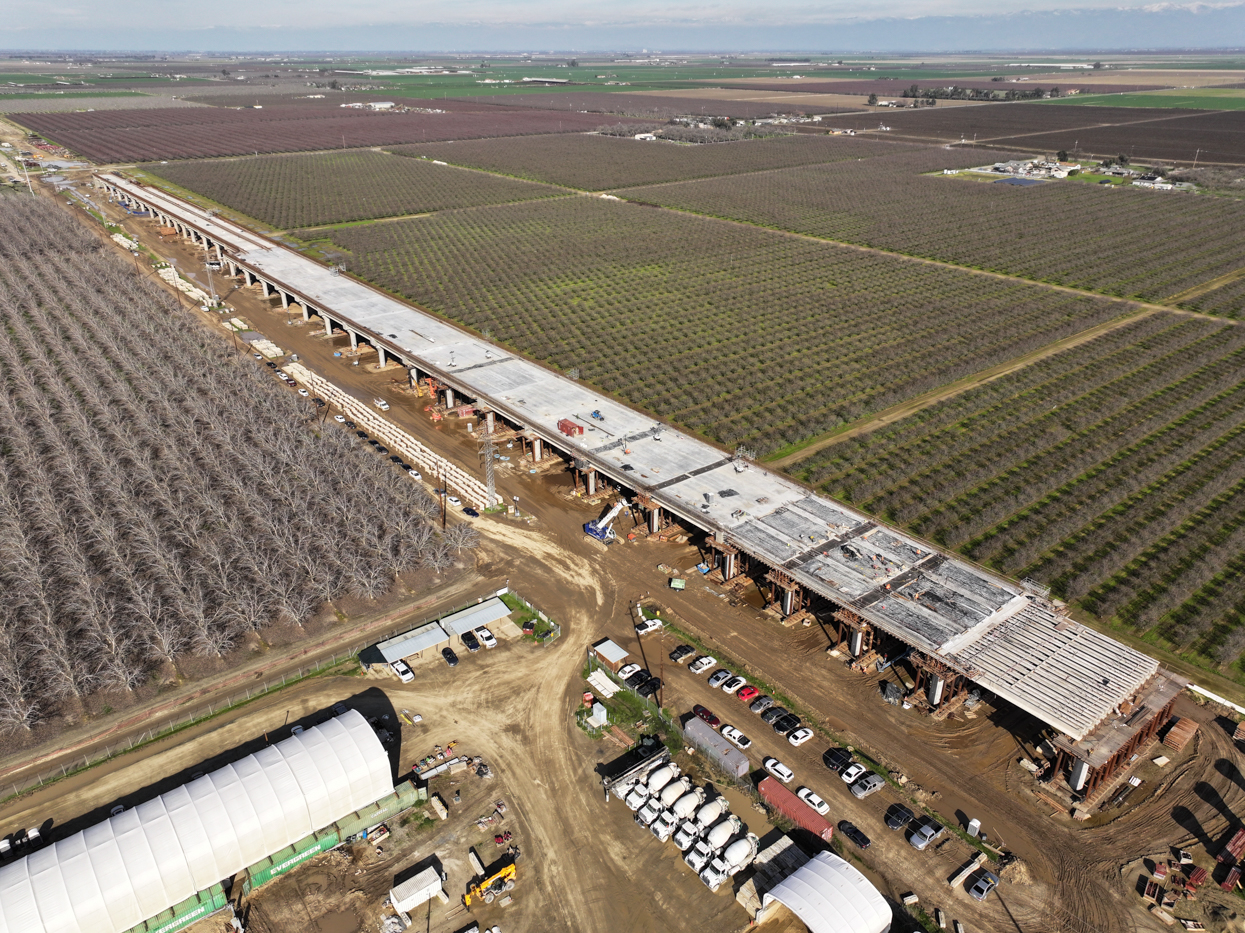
{"type": "Point", "coordinates": [965, 625]}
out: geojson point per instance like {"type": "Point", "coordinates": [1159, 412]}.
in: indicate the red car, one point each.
{"type": "Point", "coordinates": [707, 716]}
{"type": "Point", "coordinates": [748, 694]}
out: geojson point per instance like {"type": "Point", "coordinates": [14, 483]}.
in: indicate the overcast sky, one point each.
{"type": "Point", "coordinates": [668, 25]}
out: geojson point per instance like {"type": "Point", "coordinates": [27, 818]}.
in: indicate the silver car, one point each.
{"type": "Point", "coordinates": [927, 832]}
{"type": "Point", "coordinates": [869, 784]}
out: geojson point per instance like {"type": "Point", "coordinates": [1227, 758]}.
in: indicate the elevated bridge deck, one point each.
{"type": "Point", "coordinates": [1009, 641]}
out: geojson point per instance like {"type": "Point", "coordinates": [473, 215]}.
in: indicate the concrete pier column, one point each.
{"type": "Point", "coordinates": [233, 268]}
{"type": "Point", "coordinates": [490, 421]}
{"type": "Point", "coordinates": [449, 397]}
{"type": "Point", "coordinates": [536, 449]}
{"type": "Point", "coordinates": [264, 284]}
{"type": "Point", "coordinates": [933, 690]}
{"type": "Point", "coordinates": [354, 340]}
{"type": "Point", "coordinates": [383, 359]}
{"type": "Point", "coordinates": [306, 312]}
{"type": "Point", "coordinates": [1080, 771]}
{"type": "Point", "coordinates": [591, 481]}
{"type": "Point", "coordinates": [328, 326]}
{"type": "Point", "coordinates": [654, 521]}
{"type": "Point", "coordinates": [856, 642]}
{"type": "Point", "coordinates": [285, 300]}
{"type": "Point", "coordinates": [728, 566]}
{"type": "Point", "coordinates": [788, 602]}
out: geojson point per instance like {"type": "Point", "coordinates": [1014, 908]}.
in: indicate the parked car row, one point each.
{"type": "Point", "coordinates": [472, 640]}
{"type": "Point", "coordinates": [639, 680]}
{"type": "Point", "coordinates": [860, 780]}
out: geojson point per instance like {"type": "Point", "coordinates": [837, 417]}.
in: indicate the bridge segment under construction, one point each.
{"type": "Point", "coordinates": [964, 624]}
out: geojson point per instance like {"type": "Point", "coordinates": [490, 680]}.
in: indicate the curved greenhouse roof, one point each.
{"type": "Point", "coordinates": [115, 874]}
{"type": "Point", "coordinates": [830, 896]}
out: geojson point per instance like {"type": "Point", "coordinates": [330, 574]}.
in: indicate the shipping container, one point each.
{"type": "Point", "coordinates": [289, 858]}
{"type": "Point", "coordinates": [793, 808]}
{"type": "Point", "coordinates": [570, 428]}
{"type": "Point", "coordinates": [189, 911]}
{"type": "Point", "coordinates": [725, 755]}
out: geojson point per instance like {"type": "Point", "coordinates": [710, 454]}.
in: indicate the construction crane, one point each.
{"type": "Point", "coordinates": [600, 529]}
{"type": "Point", "coordinates": [490, 887]}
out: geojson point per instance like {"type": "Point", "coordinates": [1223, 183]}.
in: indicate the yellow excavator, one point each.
{"type": "Point", "coordinates": [490, 887]}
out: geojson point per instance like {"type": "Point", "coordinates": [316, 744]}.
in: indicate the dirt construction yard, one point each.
{"type": "Point", "coordinates": [585, 866]}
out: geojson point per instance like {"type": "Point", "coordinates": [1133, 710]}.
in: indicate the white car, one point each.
{"type": "Point", "coordinates": [340, 419]}
{"type": "Point", "coordinates": [304, 393]}
{"type": "Point", "coordinates": [852, 772]}
{"type": "Point", "coordinates": [414, 474]}
{"type": "Point", "coordinates": [779, 770]}
{"type": "Point", "coordinates": [486, 638]}
{"type": "Point", "coordinates": [454, 500]}
{"type": "Point", "coordinates": [627, 670]}
{"type": "Point", "coordinates": [381, 404]}
{"type": "Point", "coordinates": [800, 736]}
{"type": "Point", "coordinates": [734, 685]}
{"type": "Point", "coordinates": [648, 625]}
{"type": "Point", "coordinates": [404, 673]}
{"type": "Point", "coordinates": [735, 737]}
{"type": "Point", "coordinates": [702, 664]}
{"type": "Point", "coordinates": [814, 802]}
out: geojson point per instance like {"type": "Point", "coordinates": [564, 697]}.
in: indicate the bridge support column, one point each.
{"type": "Point", "coordinates": [537, 452]}
{"type": "Point", "coordinates": [328, 326]}
{"type": "Point", "coordinates": [728, 566]}
{"type": "Point", "coordinates": [789, 601]}
{"type": "Point", "coordinates": [933, 689]}
{"type": "Point", "coordinates": [449, 398]}
{"type": "Point", "coordinates": [285, 300]}
{"type": "Point", "coordinates": [856, 642]}
{"type": "Point", "coordinates": [490, 421]}
{"type": "Point", "coordinates": [383, 359]}
{"type": "Point", "coordinates": [654, 520]}
{"type": "Point", "coordinates": [306, 312]}
{"type": "Point", "coordinates": [354, 340]}
{"type": "Point", "coordinates": [591, 481]}
{"type": "Point", "coordinates": [1080, 771]}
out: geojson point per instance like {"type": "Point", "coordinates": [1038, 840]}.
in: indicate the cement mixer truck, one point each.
{"type": "Point", "coordinates": [673, 791]}
{"type": "Point", "coordinates": [737, 856]}
{"type": "Point", "coordinates": [704, 849]}
{"type": "Point", "coordinates": [686, 805]}
{"type": "Point", "coordinates": [692, 829]}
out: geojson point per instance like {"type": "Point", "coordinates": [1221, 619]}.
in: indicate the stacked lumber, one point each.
{"type": "Point", "coordinates": [1181, 730]}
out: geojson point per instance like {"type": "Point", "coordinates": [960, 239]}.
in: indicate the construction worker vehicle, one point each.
{"type": "Point", "coordinates": [488, 889]}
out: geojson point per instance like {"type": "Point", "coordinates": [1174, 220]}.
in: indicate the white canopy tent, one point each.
{"type": "Point", "coordinates": [468, 620]}
{"type": "Point", "coordinates": [830, 896]}
{"type": "Point", "coordinates": [132, 866]}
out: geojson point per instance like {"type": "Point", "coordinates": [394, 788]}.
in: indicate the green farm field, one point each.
{"type": "Point", "coordinates": [1205, 98]}
{"type": "Point", "coordinates": [311, 190]}
{"type": "Point", "coordinates": [738, 333]}
{"type": "Point", "coordinates": [596, 163]}
{"type": "Point", "coordinates": [1048, 233]}
{"type": "Point", "coordinates": [1114, 472]}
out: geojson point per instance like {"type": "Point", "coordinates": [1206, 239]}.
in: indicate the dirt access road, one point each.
{"type": "Point", "coordinates": [523, 723]}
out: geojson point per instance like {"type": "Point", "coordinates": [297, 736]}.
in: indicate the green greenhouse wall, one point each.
{"type": "Point", "coordinates": [187, 912]}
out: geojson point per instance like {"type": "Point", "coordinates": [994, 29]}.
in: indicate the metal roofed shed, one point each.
{"type": "Point", "coordinates": [830, 896]}
{"type": "Point", "coordinates": [725, 755]}
{"type": "Point", "coordinates": [413, 642]}
{"type": "Point", "coordinates": [611, 654]}
{"type": "Point", "coordinates": [417, 890]}
{"type": "Point", "coordinates": [115, 874]}
{"type": "Point", "coordinates": [468, 620]}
